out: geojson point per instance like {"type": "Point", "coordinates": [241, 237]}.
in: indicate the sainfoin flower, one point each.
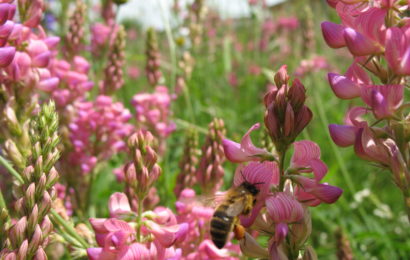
{"type": "Point", "coordinates": [97, 131]}
{"type": "Point", "coordinates": [244, 151]}
{"type": "Point", "coordinates": [117, 239]}
{"type": "Point", "coordinates": [152, 111]}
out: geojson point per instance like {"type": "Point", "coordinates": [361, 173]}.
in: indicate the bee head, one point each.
{"type": "Point", "coordinates": [251, 188]}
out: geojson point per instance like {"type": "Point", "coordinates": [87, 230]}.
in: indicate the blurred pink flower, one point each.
{"type": "Point", "coordinates": [153, 111]}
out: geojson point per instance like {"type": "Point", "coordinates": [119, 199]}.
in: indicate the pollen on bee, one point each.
{"type": "Point", "coordinates": [239, 231]}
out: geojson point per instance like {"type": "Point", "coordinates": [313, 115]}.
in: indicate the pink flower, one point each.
{"type": "Point", "coordinates": [313, 193]}
{"type": "Point", "coordinates": [118, 205]}
{"type": "Point", "coordinates": [244, 151]}
{"type": "Point", "coordinates": [153, 111]}
{"type": "Point", "coordinates": [167, 235]}
{"type": "Point", "coordinates": [108, 230]}
{"type": "Point", "coordinates": [307, 155]}
{"type": "Point", "coordinates": [383, 99]}
{"type": "Point", "coordinates": [398, 49]}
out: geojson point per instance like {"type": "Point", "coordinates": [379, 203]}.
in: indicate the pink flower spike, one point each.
{"type": "Point", "coordinates": [283, 208]}
{"type": "Point", "coordinates": [6, 56]}
{"type": "Point", "coordinates": [343, 135]}
{"type": "Point", "coordinates": [359, 44]}
{"type": "Point", "coordinates": [118, 205]}
{"type": "Point", "coordinates": [264, 174]}
{"type": "Point", "coordinates": [343, 87]}
{"type": "Point", "coordinates": [333, 34]}
{"type": "Point", "coordinates": [245, 151]}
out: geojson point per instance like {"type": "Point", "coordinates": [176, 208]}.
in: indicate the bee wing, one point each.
{"type": "Point", "coordinates": [236, 208]}
{"type": "Point", "coordinates": [206, 200]}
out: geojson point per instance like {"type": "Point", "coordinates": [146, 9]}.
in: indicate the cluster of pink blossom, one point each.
{"type": "Point", "coordinates": [97, 131]}
{"type": "Point", "coordinates": [74, 81]}
{"type": "Point", "coordinates": [25, 54]}
{"type": "Point", "coordinates": [376, 33]}
{"type": "Point", "coordinates": [284, 192]}
{"type": "Point", "coordinates": [198, 244]}
{"type": "Point", "coordinates": [313, 64]}
{"type": "Point", "coordinates": [153, 111]}
{"type": "Point", "coordinates": [117, 237]}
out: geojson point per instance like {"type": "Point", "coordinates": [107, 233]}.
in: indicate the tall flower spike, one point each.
{"type": "Point", "coordinates": [152, 67]}
{"type": "Point", "coordinates": [286, 114]}
{"type": "Point", "coordinates": [113, 76]}
{"type": "Point", "coordinates": [75, 33]}
{"type": "Point", "coordinates": [188, 163]}
{"type": "Point", "coordinates": [344, 251]}
{"type": "Point", "coordinates": [141, 174]}
{"type": "Point", "coordinates": [28, 236]}
{"type": "Point", "coordinates": [210, 172]}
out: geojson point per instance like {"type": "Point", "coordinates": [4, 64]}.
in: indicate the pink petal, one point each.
{"type": "Point", "coordinates": [98, 253]}
{"type": "Point", "coordinates": [304, 152]}
{"type": "Point", "coordinates": [319, 169]}
{"type": "Point", "coordinates": [265, 174]}
{"type": "Point", "coordinates": [208, 248]}
{"type": "Point", "coordinates": [357, 74]}
{"type": "Point", "coordinates": [48, 85]}
{"type": "Point", "coordinates": [6, 56]}
{"type": "Point", "coordinates": [343, 87]}
{"type": "Point", "coordinates": [281, 230]}
{"type": "Point", "coordinates": [245, 151]}
{"type": "Point", "coordinates": [358, 44]}
{"type": "Point", "coordinates": [327, 193]}
{"type": "Point", "coordinates": [282, 207]}
{"type": "Point", "coordinates": [343, 135]}
{"type": "Point", "coordinates": [118, 205]}
{"type": "Point", "coordinates": [333, 34]}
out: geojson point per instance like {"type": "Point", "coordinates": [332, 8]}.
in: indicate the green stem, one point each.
{"type": "Point", "coordinates": [139, 220]}
{"type": "Point", "coordinates": [171, 45]}
{"type": "Point", "coordinates": [2, 201]}
{"type": "Point", "coordinates": [11, 170]}
{"type": "Point", "coordinates": [59, 221]}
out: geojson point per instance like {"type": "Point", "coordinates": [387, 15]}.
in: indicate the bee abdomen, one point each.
{"type": "Point", "coordinates": [221, 225]}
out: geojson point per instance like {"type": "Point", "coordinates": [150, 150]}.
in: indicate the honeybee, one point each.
{"type": "Point", "coordinates": [237, 201]}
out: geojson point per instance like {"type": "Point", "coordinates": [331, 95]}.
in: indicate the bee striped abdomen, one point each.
{"type": "Point", "coordinates": [221, 225]}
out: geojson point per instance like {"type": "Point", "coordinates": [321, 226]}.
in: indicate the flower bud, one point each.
{"type": "Point", "coordinates": [17, 232]}
{"type": "Point", "coordinates": [281, 77]}
{"type": "Point", "coordinates": [35, 240]}
{"type": "Point", "coordinates": [23, 250]}
{"type": "Point", "coordinates": [30, 196]}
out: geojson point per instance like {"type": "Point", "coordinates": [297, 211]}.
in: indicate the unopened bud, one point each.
{"type": "Point", "coordinates": [52, 178]}
{"type": "Point", "coordinates": [40, 254]}
{"type": "Point", "coordinates": [281, 77]}
{"type": "Point", "coordinates": [12, 122]}
{"type": "Point", "coordinates": [33, 219]}
{"type": "Point", "coordinates": [29, 196]}
{"type": "Point", "coordinates": [14, 154]}
{"type": "Point", "coordinates": [46, 225]}
{"type": "Point", "coordinates": [23, 250]}
{"type": "Point", "coordinates": [35, 240]}
{"type": "Point", "coordinates": [17, 232]}
{"type": "Point", "coordinates": [297, 94]}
